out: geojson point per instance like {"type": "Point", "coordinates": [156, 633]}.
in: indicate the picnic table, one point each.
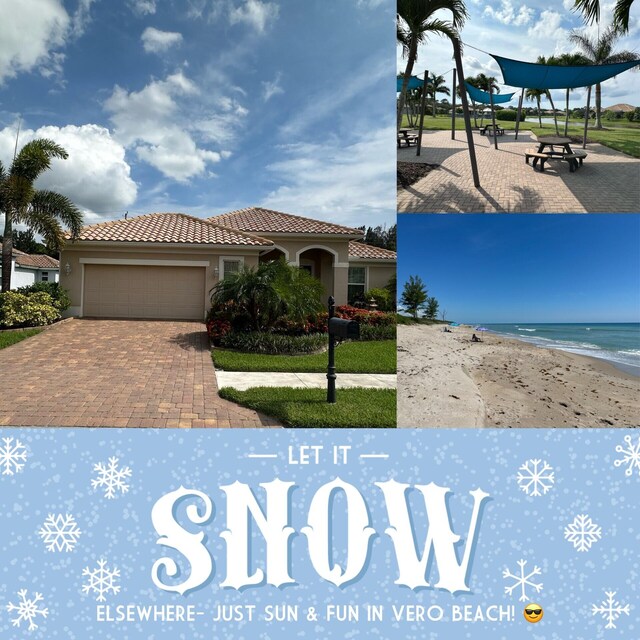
{"type": "Point", "coordinates": [406, 137]}
{"type": "Point", "coordinates": [542, 154]}
{"type": "Point", "coordinates": [488, 130]}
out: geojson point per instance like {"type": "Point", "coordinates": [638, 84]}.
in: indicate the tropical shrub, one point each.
{"type": "Point", "coordinates": [274, 343]}
{"type": "Point", "coordinates": [364, 317]}
{"type": "Point", "coordinates": [261, 295]}
{"type": "Point", "coordinates": [60, 296]}
{"type": "Point", "coordinates": [382, 298]}
{"type": "Point", "coordinates": [32, 310]}
{"type": "Point", "coordinates": [509, 115]}
{"type": "Point", "coordinates": [377, 332]}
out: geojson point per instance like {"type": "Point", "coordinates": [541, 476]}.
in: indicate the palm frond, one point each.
{"type": "Point", "coordinates": [590, 10]}
{"type": "Point", "coordinates": [49, 204]}
{"type": "Point", "coordinates": [35, 157]}
{"type": "Point", "coordinates": [621, 15]}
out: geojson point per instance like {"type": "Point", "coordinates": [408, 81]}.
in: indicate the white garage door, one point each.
{"type": "Point", "coordinates": [125, 291]}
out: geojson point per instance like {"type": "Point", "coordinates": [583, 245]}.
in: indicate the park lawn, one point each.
{"type": "Point", "coordinates": [351, 357]}
{"type": "Point", "coordinates": [618, 135]}
{"type": "Point", "coordinates": [7, 338]}
{"type": "Point", "coordinates": [355, 408]}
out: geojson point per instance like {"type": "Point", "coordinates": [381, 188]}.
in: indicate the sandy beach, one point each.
{"type": "Point", "coordinates": [445, 380]}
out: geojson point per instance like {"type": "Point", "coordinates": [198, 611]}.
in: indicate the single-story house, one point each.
{"type": "Point", "coordinates": [164, 265]}
{"type": "Point", "coordinates": [28, 268]}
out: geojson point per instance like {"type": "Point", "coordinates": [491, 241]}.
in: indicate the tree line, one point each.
{"type": "Point", "coordinates": [415, 298]}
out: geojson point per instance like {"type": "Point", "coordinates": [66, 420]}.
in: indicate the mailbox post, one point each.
{"type": "Point", "coordinates": [338, 328]}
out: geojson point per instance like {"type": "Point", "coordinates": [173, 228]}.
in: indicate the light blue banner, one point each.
{"type": "Point", "coordinates": [92, 521]}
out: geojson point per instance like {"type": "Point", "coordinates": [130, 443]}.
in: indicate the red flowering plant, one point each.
{"type": "Point", "coordinates": [362, 316]}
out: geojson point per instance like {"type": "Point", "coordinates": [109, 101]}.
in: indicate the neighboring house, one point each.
{"type": "Point", "coordinates": [164, 265]}
{"type": "Point", "coordinates": [29, 268]}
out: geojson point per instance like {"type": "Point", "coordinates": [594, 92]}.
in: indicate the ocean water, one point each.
{"type": "Point", "coordinates": [618, 343]}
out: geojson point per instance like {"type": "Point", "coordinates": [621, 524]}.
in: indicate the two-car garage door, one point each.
{"type": "Point", "coordinates": [144, 291]}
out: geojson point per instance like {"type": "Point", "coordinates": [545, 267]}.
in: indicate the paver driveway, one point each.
{"type": "Point", "coordinates": [116, 373]}
{"type": "Point", "coordinates": [609, 181]}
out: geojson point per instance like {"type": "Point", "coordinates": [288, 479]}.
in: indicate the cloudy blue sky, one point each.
{"type": "Point", "coordinates": [204, 106]}
{"type": "Point", "coordinates": [524, 30]}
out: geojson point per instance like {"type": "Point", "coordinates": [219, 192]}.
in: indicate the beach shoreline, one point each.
{"type": "Point", "coordinates": [445, 380]}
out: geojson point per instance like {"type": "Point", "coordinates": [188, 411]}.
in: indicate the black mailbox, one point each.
{"type": "Point", "coordinates": [344, 328]}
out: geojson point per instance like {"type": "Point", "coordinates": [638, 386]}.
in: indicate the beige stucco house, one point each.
{"type": "Point", "coordinates": [163, 265]}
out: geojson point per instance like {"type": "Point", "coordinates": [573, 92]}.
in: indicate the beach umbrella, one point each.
{"type": "Point", "coordinates": [454, 324]}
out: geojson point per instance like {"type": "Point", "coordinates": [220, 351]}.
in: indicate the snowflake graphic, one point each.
{"type": "Point", "coordinates": [27, 609]}
{"type": "Point", "coordinates": [522, 580]}
{"type": "Point", "coordinates": [631, 456]}
{"type": "Point", "coordinates": [60, 533]}
{"type": "Point", "coordinates": [102, 580]}
{"type": "Point", "coordinates": [535, 476]}
{"type": "Point", "coordinates": [610, 609]}
{"type": "Point", "coordinates": [111, 477]}
{"type": "Point", "coordinates": [12, 456]}
{"type": "Point", "coordinates": [582, 532]}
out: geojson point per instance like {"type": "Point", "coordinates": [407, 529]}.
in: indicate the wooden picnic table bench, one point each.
{"type": "Point", "coordinates": [488, 130]}
{"type": "Point", "coordinates": [406, 137]}
{"type": "Point", "coordinates": [542, 154]}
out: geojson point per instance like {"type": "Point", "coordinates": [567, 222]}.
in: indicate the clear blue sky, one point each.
{"type": "Point", "coordinates": [525, 268]}
{"type": "Point", "coordinates": [204, 106]}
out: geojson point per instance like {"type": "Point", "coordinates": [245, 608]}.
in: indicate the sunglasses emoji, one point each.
{"type": "Point", "coordinates": [533, 613]}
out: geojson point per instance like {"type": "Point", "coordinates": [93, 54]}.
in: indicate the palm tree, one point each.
{"type": "Point", "coordinates": [40, 210]}
{"type": "Point", "coordinates": [568, 59]}
{"type": "Point", "coordinates": [590, 10]}
{"type": "Point", "coordinates": [437, 85]}
{"type": "Point", "coordinates": [600, 51]}
{"type": "Point", "coordinates": [547, 92]}
{"type": "Point", "coordinates": [536, 94]}
{"type": "Point", "coordinates": [415, 22]}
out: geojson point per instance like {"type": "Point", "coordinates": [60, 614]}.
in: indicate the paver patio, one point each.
{"type": "Point", "coordinates": [609, 181]}
{"type": "Point", "coordinates": [116, 373]}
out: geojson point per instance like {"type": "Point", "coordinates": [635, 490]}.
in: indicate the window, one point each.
{"type": "Point", "coordinates": [230, 266]}
{"type": "Point", "coordinates": [44, 276]}
{"type": "Point", "coordinates": [357, 284]}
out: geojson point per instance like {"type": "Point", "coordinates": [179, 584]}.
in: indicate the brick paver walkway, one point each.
{"type": "Point", "coordinates": [609, 181]}
{"type": "Point", "coordinates": [116, 373]}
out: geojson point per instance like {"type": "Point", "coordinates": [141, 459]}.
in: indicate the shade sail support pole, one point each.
{"type": "Point", "coordinates": [519, 114]}
{"type": "Point", "coordinates": [453, 109]}
{"type": "Point", "coordinates": [493, 117]}
{"type": "Point", "coordinates": [586, 118]}
{"type": "Point", "coordinates": [467, 116]}
{"type": "Point", "coordinates": [422, 106]}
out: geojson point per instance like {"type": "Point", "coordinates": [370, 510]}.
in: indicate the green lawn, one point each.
{"type": "Point", "coordinates": [618, 135]}
{"type": "Point", "coordinates": [351, 357]}
{"type": "Point", "coordinates": [368, 408]}
{"type": "Point", "coordinates": [7, 338]}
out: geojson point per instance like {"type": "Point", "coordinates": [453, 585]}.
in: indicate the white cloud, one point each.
{"type": "Point", "coordinates": [155, 123]}
{"type": "Point", "coordinates": [254, 13]}
{"type": "Point", "coordinates": [95, 176]}
{"type": "Point", "coordinates": [30, 31]}
{"type": "Point", "coordinates": [143, 7]}
{"type": "Point", "coordinates": [370, 4]}
{"type": "Point", "coordinates": [548, 27]}
{"type": "Point", "coordinates": [81, 17]}
{"type": "Point", "coordinates": [507, 14]}
{"type": "Point", "coordinates": [333, 181]}
{"type": "Point", "coordinates": [156, 41]}
{"type": "Point", "coordinates": [272, 88]}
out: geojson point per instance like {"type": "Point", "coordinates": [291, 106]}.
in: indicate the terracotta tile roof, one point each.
{"type": "Point", "coordinates": [259, 220]}
{"type": "Point", "coordinates": [168, 227]}
{"type": "Point", "coordinates": [368, 252]}
{"type": "Point", "coordinates": [34, 261]}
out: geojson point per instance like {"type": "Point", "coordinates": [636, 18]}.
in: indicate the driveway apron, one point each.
{"type": "Point", "coordinates": [116, 373]}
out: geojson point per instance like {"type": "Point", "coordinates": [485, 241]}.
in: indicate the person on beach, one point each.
{"type": "Point", "coordinates": [474, 338]}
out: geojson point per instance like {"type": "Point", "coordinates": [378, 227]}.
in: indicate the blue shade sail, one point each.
{"type": "Point", "coordinates": [531, 75]}
{"type": "Point", "coordinates": [414, 83]}
{"type": "Point", "coordinates": [484, 97]}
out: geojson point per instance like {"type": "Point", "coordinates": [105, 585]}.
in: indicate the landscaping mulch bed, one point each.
{"type": "Point", "coordinates": [410, 172]}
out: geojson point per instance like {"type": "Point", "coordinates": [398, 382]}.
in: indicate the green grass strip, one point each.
{"type": "Point", "coordinates": [351, 357]}
{"type": "Point", "coordinates": [367, 408]}
{"type": "Point", "coordinates": [7, 338]}
{"type": "Point", "coordinates": [618, 134]}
